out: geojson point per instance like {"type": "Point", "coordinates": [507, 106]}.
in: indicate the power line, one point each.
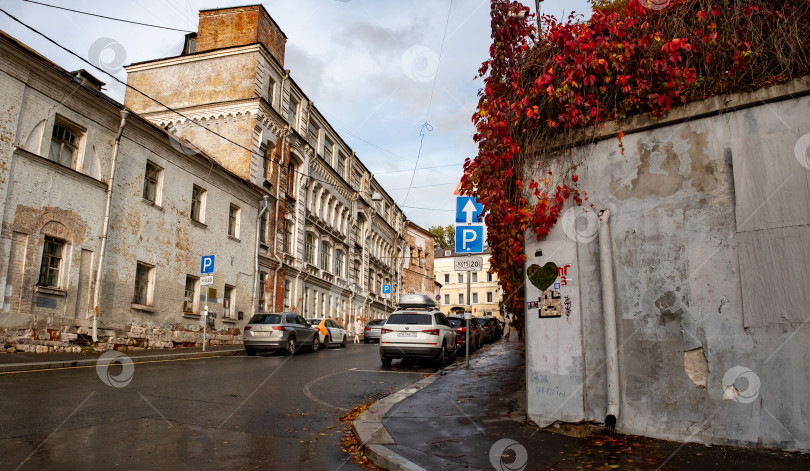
{"type": "Point", "coordinates": [419, 168]}
{"type": "Point", "coordinates": [107, 17]}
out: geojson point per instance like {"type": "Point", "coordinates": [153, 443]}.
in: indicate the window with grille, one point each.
{"type": "Point", "coordinates": [64, 143]}
{"type": "Point", "coordinates": [144, 282]}
{"type": "Point", "coordinates": [51, 267]}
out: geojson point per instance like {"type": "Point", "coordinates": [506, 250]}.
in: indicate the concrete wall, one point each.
{"type": "Point", "coordinates": [709, 233]}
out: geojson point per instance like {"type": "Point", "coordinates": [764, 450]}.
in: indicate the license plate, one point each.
{"type": "Point", "coordinates": [262, 334]}
{"type": "Point", "coordinates": [406, 334]}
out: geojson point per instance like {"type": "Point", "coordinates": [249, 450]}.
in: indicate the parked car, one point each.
{"type": "Point", "coordinates": [478, 332]}
{"type": "Point", "coordinates": [281, 331]}
{"type": "Point", "coordinates": [460, 325]}
{"type": "Point", "coordinates": [486, 330]}
{"type": "Point", "coordinates": [497, 327]}
{"type": "Point", "coordinates": [329, 332]}
{"type": "Point", "coordinates": [418, 330]}
{"type": "Point", "coordinates": [372, 330]}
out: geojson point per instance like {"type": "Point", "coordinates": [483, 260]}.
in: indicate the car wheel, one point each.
{"type": "Point", "coordinates": [386, 361]}
{"type": "Point", "coordinates": [343, 342]}
{"type": "Point", "coordinates": [251, 351]}
{"type": "Point", "coordinates": [290, 346]}
{"type": "Point", "coordinates": [325, 343]}
{"type": "Point", "coordinates": [316, 344]}
{"type": "Point", "coordinates": [441, 361]}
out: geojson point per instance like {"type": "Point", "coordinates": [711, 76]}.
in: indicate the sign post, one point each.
{"type": "Point", "coordinates": [206, 268]}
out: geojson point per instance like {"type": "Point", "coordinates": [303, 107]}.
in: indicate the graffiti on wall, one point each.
{"type": "Point", "coordinates": [550, 304]}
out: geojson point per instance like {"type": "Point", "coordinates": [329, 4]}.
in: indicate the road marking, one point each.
{"type": "Point", "coordinates": [93, 365]}
{"type": "Point", "coordinates": [384, 371]}
{"type": "Point", "coordinates": [312, 396]}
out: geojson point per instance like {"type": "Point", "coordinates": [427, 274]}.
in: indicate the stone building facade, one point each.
{"type": "Point", "coordinates": [417, 269]}
{"type": "Point", "coordinates": [335, 235]}
{"type": "Point", "coordinates": [680, 310]}
{"type": "Point", "coordinates": [108, 208]}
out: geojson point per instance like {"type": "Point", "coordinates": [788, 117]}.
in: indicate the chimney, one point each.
{"type": "Point", "coordinates": [239, 26]}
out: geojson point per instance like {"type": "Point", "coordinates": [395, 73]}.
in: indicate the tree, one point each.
{"type": "Point", "coordinates": [445, 237]}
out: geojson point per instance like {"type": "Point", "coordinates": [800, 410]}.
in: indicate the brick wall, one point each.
{"type": "Point", "coordinates": [238, 27]}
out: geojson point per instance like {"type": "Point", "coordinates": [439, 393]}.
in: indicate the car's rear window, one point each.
{"type": "Point", "coordinates": [456, 321]}
{"type": "Point", "coordinates": [265, 319]}
{"type": "Point", "coordinates": [411, 319]}
{"type": "Point", "coordinates": [376, 322]}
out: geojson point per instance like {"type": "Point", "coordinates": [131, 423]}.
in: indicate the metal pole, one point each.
{"type": "Point", "coordinates": [205, 317]}
{"type": "Point", "coordinates": [537, 11]}
{"type": "Point", "coordinates": [467, 342]}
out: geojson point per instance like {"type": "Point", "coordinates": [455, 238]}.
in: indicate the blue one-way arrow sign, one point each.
{"type": "Point", "coordinates": [468, 210]}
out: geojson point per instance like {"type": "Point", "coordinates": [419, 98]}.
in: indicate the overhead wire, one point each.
{"type": "Point", "coordinates": [156, 101]}
{"type": "Point", "coordinates": [107, 17]}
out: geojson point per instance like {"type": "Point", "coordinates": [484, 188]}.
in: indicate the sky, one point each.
{"type": "Point", "coordinates": [395, 78]}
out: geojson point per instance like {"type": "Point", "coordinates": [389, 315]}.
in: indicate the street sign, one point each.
{"type": "Point", "coordinates": [207, 264]}
{"type": "Point", "coordinates": [386, 291]}
{"type": "Point", "coordinates": [207, 280]}
{"type": "Point", "coordinates": [468, 210]}
{"type": "Point", "coordinates": [469, 263]}
{"type": "Point", "coordinates": [469, 239]}
{"type": "Point", "coordinates": [438, 297]}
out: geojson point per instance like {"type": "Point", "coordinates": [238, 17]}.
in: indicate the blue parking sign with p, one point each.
{"type": "Point", "coordinates": [386, 289]}
{"type": "Point", "coordinates": [469, 239]}
{"type": "Point", "coordinates": [207, 264]}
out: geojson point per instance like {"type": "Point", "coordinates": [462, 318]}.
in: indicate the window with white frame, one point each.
{"type": "Point", "coordinates": [292, 111]}
{"type": "Point", "coordinates": [227, 302]}
{"type": "Point", "coordinates": [325, 253]}
{"type": "Point", "coordinates": [489, 276]}
{"type": "Point", "coordinates": [262, 279]}
{"type": "Point", "coordinates": [489, 296]}
{"type": "Point", "coordinates": [50, 270]}
{"type": "Point", "coordinates": [461, 298]}
{"type": "Point", "coordinates": [191, 295]}
{"type": "Point", "coordinates": [264, 223]}
{"type": "Point", "coordinates": [339, 262]}
{"type": "Point", "coordinates": [309, 248]}
{"type": "Point", "coordinates": [474, 277]}
{"type": "Point", "coordinates": [328, 149]}
{"type": "Point", "coordinates": [287, 237]}
{"type": "Point", "coordinates": [460, 277]}
{"type": "Point", "coordinates": [356, 181]}
{"type": "Point", "coordinates": [447, 278]}
{"type": "Point", "coordinates": [341, 164]}
{"type": "Point", "coordinates": [314, 132]}
{"type": "Point", "coordinates": [233, 221]}
{"type": "Point", "coordinates": [198, 204]}
{"type": "Point", "coordinates": [64, 144]}
{"type": "Point", "coordinates": [446, 299]}
{"type": "Point", "coordinates": [271, 91]}
{"type": "Point", "coordinates": [356, 271]}
{"type": "Point", "coordinates": [144, 284]}
{"type": "Point", "coordinates": [152, 183]}
{"type": "Point", "coordinates": [287, 295]}
{"type": "Point", "coordinates": [474, 298]}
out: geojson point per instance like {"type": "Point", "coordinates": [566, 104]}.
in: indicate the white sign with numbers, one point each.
{"type": "Point", "coordinates": [469, 263]}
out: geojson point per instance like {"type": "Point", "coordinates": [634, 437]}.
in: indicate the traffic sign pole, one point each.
{"type": "Point", "coordinates": [469, 301]}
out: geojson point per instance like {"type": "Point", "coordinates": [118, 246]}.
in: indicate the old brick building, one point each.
{"type": "Point", "coordinates": [109, 208]}
{"type": "Point", "coordinates": [417, 270]}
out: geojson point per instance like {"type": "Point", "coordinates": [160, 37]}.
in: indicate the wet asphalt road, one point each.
{"type": "Point", "coordinates": [231, 412]}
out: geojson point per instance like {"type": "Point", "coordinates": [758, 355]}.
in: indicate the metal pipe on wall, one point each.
{"type": "Point", "coordinates": [609, 311]}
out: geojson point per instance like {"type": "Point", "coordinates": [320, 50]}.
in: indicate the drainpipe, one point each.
{"type": "Point", "coordinates": [106, 226]}
{"type": "Point", "coordinates": [609, 310]}
{"type": "Point", "coordinates": [275, 215]}
{"type": "Point", "coordinates": [256, 280]}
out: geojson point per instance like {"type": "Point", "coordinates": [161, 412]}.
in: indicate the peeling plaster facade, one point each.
{"type": "Point", "coordinates": [710, 238]}
{"type": "Point", "coordinates": [417, 268]}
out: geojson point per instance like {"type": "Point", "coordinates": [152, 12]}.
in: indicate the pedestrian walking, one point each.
{"type": "Point", "coordinates": [358, 327]}
{"type": "Point", "coordinates": [507, 327]}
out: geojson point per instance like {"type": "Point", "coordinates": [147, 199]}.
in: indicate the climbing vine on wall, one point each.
{"type": "Point", "coordinates": [543, 88]}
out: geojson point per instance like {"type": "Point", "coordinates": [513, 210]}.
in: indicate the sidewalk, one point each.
{"type": "Point", "coordinates": [457, 417]}
{"type": "Point", "coordinates": [23, 361]}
